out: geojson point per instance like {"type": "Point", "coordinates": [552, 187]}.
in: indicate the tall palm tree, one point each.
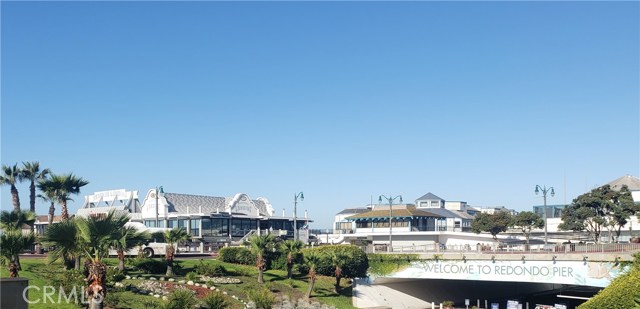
{"type": "Point", "coordinates": [12, 242]}
{"type": "Point", "coordinates": [312, 259]}
{"type": "Point", "coordinates": [31, 171]}
{"type": "Point", "coordinates": [290, 247]}
{"type": "Point", "coordinates": [10, 176]}
{"type": "Point", "coordinates": [98, 233]}
{"type": "Point", "coordinates": [173, 237]}
{"type": "Point", "coordinates": [260, 245]}
{"type": "Point", "coordinates": [64, 237]}
{"type": "Point", "coordinates": [62, 186]}
{"type": "Point", "coordinates": [49, 190]}
{"type": "Point", "coordinates": [337, 261]}
{"type": "Point", "coordinates": [126, 239]}
{"type": "Point", "coordinates": [13, 221]}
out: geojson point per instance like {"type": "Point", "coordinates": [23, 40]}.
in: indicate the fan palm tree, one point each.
{"type": "Point", "coordinates": [12, 242]}
{"type": "Point", "coordinates": [64, 237]}
{"type": "Point", "coordinates": [31, 171]}
{"type": "Point", "coordinates": [49, 194]}
{"type": "Point", "coordinates": [10, 176]}
{"type": "Point", "coordinates": [98, 233]}
{"type": "Point", "coordinates": [126, 239]}
{"type": "Point", "coordinates": [260, 245]}
{"type": "Point", "coordinates": [337, 261]}
{"type": "Point", "coordinates": [173, 237]}
{"type": "Point", "coordinates": [290, 247]}
{"type": "Point", "coordinates": [13, 221]}
{"type": "Point", "coordinates": [62, 186]}
{"type": "Point", "coordinates": [312, 259]}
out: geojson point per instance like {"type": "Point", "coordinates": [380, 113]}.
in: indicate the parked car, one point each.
{"type": "Point", "coordinates": [313, 240]}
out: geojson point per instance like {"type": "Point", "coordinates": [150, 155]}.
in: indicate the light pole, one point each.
{"type": "Point", "coordinates": [158, 192]}
{"type": "Point", "coordinates": [295, 213]}
{"type": "Point", "coordinates": [390, 200]}
{"type": "Point", "coordinates": [544, 190]}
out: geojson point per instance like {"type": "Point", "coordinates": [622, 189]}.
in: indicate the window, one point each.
{"type": "Point", "coordinates": [363, 224]}
{"type": "Point", "coordinates": [195, 227]}
{"type": "Point", "coordinates": [171, 223]}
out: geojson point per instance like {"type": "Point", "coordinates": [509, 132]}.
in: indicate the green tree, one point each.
{"type": "Point", "coordinates": [492, 223]}
{"type": "Point", "coordinates": [49, 189]}
{"type": "Point", "coordinates": [31, 171]}
{"type": "Point", "coordinates": [526, 221]}
{"type": "Point", "coordinates": [14, 221]}
{"type": "Point", "coordinates": [126, 239]}
{"type": "Point", "coordinates": [11, 176]}
{"type": "Point", "coordinates": [12, 242]}
{"type": "Point", "coordinates": [312, 259]}
{"type": "Point", "coordinates": [337, 260]}
{"type": "Point", "coordinates": [63, 186]}
{"type": "Point", "coordinates": [260, 245]}
{"type": "Point", "coordinates": [601, 208]}
{"type": "Point", "coordinates": [290, 247]}
{"type": "Point", "coordinates": [98, 233]}
{"type": "Point", "coordinates": [65, 239]}
{"type": "Point", "coordinates": [173, 237]}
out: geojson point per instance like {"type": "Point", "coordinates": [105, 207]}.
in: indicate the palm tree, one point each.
{"type": "Point", "coordinates": [98, 233]}
{"type": "Point", "coordinates": [337, 261]}
{"type": "Point", "coordinates": [312, 259]}
{"type": "Point", "coordinates": [12, 242]}
{"type": "Point", "coordinates": [49, 190]}
{"type": "Point", "coordinates": [173, 237]}
{"type": "Point", "coordinates": [290, 247]}
{"type": "Point", "coordinates": [64, 237]}
{"type": "Point", "coordinates": [62, 186]}
{"type": "Point", "coordinates": [260, 245]}
{"type": "Point", "coordinates": [14, 220]}
{"type": "Point", "coordinates": [31, 171]}
{"type": "Point", "coordinates": [126, 239]}
{"type": "Point", "coordinates": [11, 176]}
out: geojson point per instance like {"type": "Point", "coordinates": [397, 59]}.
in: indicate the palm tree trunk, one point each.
{"type": "Point", "coordinates": [120, 260]}
{"type": "Point", "coordinates": [289, 271]}
{"type": "Point", "coordinates": [260, 275]}
{"type": "Point", "coordinates": [337, 290]}
{"type": "Point", "coordinates": [96, 289]}
{"type": "Point", "coordinates": [52, 212]}
{"type": "Point", "coordinates": [65, 212]}
{"type": "Point", "coordinates": [15, 199]}
{"type": "Point", "coordinates": [32, 197]}
{"type": "Point", "coordinates": [77, 262]}
{"type": "Point", "coordinates": [169, 259]}
{"type": "Point", "coordinates": [312, 281]}
{"type": "Point", "coordinates": [13, 270]}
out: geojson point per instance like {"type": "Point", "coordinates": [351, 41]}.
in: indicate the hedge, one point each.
{"type": "Point", "coordinates": [384, 264]}
{"type": "Point", "coordinates": [621, 292]}
{"type": "Point", "coordinates": [237, 255]}
{"type": "Point", "coordinates": [356, 262]}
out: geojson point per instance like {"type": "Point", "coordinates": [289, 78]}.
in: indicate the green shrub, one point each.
{"type": "Point", "coordinates": [114, 274]}
{"type": "Point", "coordinates": [356, 262]}
{"type": "Point", "coordinates": [113, 300]}
{"type": "Point", "coordinates": [384, 264]}
{"type": "Point", "coordinates": [69, 280]}
{"type": "Point", "coordinates": [214, 300]}
{"type": "Point", "coordinates": [191, 276]}
{"type": "Point", "coordinates": [237, 255]}
{"type": "Point", "coordinates": [151, 304]}
{"type": "Point", "coordinates": [209, 269]}
{"type": "Point", "coordinates": [620, 293]}
{"type": "Point", "coordinates": [150, 266]}
{"type": "Point", "coordinates": [181, 299]}
{"type": "Point", "coordinates": [263, 298]}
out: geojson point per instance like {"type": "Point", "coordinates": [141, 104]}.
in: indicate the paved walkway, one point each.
{"type": "Point", "coordinates": [366, 295]}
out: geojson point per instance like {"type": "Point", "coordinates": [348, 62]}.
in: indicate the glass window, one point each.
{"type": "Point", "coordinates": [195, 227]}
{"type": "Point", "coordinates": [171, 223]}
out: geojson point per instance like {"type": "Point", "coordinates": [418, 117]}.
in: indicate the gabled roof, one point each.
{"type": "Point", "coordinates": [633, 183]}
{"type": "Point", "coordinates": [180, 203]}
{"type": "Point", "coordinates": [429, 196]}
{"type": "Point", "coordinates": [353, 211]}
{"type": "Point", "coordinates": [409, 211]}
{"type": "Point", "coordinates": [443, 212]}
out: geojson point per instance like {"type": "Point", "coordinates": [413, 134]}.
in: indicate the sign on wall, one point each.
{"type": "Point", "coordinates": [597, 274]}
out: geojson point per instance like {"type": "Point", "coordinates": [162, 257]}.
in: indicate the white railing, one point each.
{"type": "Point", "coordinates": [520, 248]}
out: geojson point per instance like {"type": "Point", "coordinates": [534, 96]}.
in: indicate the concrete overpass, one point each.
{"type": "Point", "coordinates": [537, 275]}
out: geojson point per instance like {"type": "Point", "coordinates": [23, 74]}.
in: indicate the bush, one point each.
{"type": "Point", "coordinates": [211, 270]}
{"type": "Point", "coordinates": [214, 300]}
{"type": "Point", "coordinates": [356, 262]}
{"type": "Point", "coordinates": [181, 299]}
{"type": "Point", "coordinates": [237, 255]}
{"type": "Point", "coordinates": [262, 298]}
{"type": "Point", "coordinates": [70, 280]}
{"type": "Point", "coordinates": [191, 276]}
{"type": "Point", "coordinates": [620, 293]}
{"type": "Point", "coordinates": [149, 266]}
{"type": "Point", "coordinates": [114, 274]}
{"type": "Point", "coordinates": [384, 264]}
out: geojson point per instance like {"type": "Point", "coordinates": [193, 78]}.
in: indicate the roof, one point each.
{"type": "Point", "coordinates": [429, 196]}
{"type": "Point", "coordinates": [633, 183]}
{"type": "Point", "coordinates": [207, 204]}
{"type": "Point", "coordinates": [353, 211]}
{"type": "Point", "coordinates": [443, 212]}
{"type": "Point", "coordinates": [410, 211]}
{"type": "Point", "coordinates": [45, 219]}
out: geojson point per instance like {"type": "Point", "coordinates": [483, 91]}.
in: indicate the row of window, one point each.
{"type": "Point", "coordinates": [220, 226]}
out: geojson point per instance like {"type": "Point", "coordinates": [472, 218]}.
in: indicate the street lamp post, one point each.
{"type": "Point", "coordinates": [544, 190]}
{"type": "Point", "coordinates": [295, 213]}
{"type": "Point", "coordinates": [158, 192]}
{"type": "Point", "coordinates": [390, 200]}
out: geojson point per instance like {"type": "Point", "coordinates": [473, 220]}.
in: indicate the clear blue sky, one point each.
{"type": "Point", "coordinates": [476, 102]}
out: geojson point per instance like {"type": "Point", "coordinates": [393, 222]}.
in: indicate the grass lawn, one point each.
{"type": "Point", "coordinates": [40, 274]}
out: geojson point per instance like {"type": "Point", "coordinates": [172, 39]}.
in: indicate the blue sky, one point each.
{"type": "Point", "coordinates": [472, 101]}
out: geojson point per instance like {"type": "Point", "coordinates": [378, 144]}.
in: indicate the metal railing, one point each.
{"type": "Point", "coordinates": [520, 248]}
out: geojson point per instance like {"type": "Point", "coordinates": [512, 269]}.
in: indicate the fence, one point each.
{"type": "Point", "coordinates": [520, 248]}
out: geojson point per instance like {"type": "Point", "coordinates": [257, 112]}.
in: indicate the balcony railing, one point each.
{"type": "Point", "coordinates": [520, 248]}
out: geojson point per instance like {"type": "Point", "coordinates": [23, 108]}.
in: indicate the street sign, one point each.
{"type": "Point", "coordinates": [512, 304]}
{"type": "Point", "coordinates": [495, 306]}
